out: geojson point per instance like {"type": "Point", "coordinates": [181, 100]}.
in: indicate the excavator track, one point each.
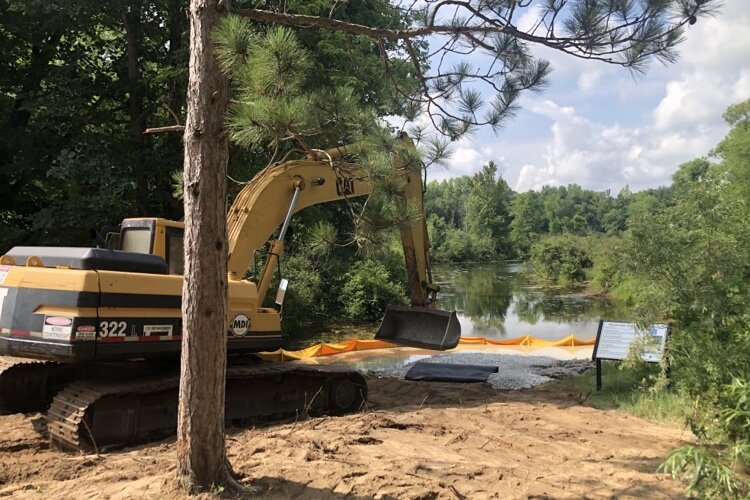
{"type": "Point", "coordinates": [91, 415]}
{"type": "Point", "coordinates": [28, 385]}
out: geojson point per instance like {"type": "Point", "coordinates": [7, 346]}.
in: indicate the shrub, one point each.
{"type": "Point", "coordinates": [560, 257]}
{"type": "Point", "coordinates": [719, 467]}
{"type": "Point", "coordinates": [302, 304]}
{"type": "Point", "coordinates": [368, 290]}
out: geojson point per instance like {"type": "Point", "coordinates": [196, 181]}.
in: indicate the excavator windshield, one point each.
{"type": "Point", "coordinates": [136, 239]}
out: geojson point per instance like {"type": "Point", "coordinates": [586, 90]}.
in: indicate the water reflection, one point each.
{"type": "Point", "coordinates": [499, 300]}
{"type": "Point", "coordinates": [495, 300]}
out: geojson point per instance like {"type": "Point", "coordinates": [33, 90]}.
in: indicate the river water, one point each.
{"type": "Point", "coordinates": [500, 300]}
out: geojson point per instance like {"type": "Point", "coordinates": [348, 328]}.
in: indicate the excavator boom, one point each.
{"type": "Point", "coordinates": [274, 195]}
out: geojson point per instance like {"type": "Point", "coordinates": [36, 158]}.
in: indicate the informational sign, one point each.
{"type": "Point", "coordinates": [615, 338]}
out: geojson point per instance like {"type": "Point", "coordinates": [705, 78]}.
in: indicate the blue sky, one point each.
{"type": "Point", "coordinates": [598, 126]}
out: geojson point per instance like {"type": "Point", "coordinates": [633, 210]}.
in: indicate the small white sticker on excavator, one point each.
{"type": "Point", "coordinates": [86, 332]}
{"type": "Point", "coordinates": [240, 325]}
{"type": "Point", "coordinates": [4, 270]}
{"type": "Point", "coordinates": [159, 330]}
{"type": "Point", "coordinates": [57, 327]}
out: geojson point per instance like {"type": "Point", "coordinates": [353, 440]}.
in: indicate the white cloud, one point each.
{"type": "Point", "coordinates": [467, 159]}
{"type": "Point", "coordinates": [601, 156]}
{"type": "Point", "coordinates": [710, 74]}
{"type": "Point", "coordinates": [672, 114]}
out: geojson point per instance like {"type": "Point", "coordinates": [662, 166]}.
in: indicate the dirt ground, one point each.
{"type": "Point", "coordinates": [416, 440]}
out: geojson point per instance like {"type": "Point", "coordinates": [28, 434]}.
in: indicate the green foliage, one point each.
{"type": "Point", "coordinates": [67, 140]}
{"type": "Point", "coordinates": [528, 221]}
{"type": "Point", "coordinates": [482, 218]}
{"type": "Point", "coordinates": [631, 388]}
{"type": "Point", "coordinates": [735, 411]}
{"type": "Point", "coordinates": [461, 246]}
{"type": "Point", "coordinates": [487, 209]}
{"type": "Point", "coordinates": [445, 199]}
{"type": "Point", "coordinates": [320, 274]}
{"type": "Point", "coordinates": [470, 217]}
{"type": "Point", "coordinates": [303, 303]}
{"type": "Point", "coordinates": [738, 114]}
{"type": "Point", "coordinates": [606, 270]}
{"type": "Point", "coordinates": [695, 260]}
{"type": "Point", "coordinates": [708, 471]}
{"type": "Point", "coordinates": [272, 109]}
{"type": "Point", "coordinates": [349, 61]}
{"type": "Point", "coordinates": [689, 261]}
{"type": "Point", "coordinates": [368, 290]}
{"type": "Point", "coordinates": [719, 467]}
{"type": "Point", "coordinates": [560, 258]}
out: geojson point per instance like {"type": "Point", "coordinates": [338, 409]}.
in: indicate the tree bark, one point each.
{"type": "Point", "coordinates": [132, 20]}
{"type": "Point", "coordinates": [200, 425]}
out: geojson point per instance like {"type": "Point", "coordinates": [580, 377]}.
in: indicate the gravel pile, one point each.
{"type": "Point", "coordinates": [514, 371]}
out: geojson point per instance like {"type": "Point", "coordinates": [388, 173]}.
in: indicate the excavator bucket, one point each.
{"type": "Point", "coordinates": [420, 327]}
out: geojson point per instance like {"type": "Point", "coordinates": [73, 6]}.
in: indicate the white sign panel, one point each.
{"type": "Point", "coordinates": [615, 338]}
{"type": "Point", "coordinates": [281, 291]}
{"type": "Point", "coordinates": [159, 330]}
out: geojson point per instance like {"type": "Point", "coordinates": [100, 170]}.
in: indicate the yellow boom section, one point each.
{"type": "Point", "coordinates": [262, 205]}
{"type": "Point", "coordinates": [265, 201]}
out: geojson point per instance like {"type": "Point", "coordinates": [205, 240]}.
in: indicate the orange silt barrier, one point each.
{"type": "Point", "coordinates": [366, 345]}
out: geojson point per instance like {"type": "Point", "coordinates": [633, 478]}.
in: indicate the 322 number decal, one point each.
{"type": "Point", "coordinates": [113, 328]}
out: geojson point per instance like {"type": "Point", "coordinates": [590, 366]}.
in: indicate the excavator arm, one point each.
{"type": "Point", "coordinates": [270, 199]}
{"type": "Point", "coordinates": [279, 191]}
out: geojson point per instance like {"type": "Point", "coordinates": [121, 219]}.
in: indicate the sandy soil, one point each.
{"type": "Point", "coordinates": [416, 440]}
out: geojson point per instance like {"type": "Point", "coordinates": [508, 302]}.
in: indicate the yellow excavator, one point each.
{"type": "Point", "coordinates": [92, 333]}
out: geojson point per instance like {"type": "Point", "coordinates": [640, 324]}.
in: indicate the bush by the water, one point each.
{"type": "Point", "coordinates": [560, 258]}
{"type": "Point", "coordinates": [368, 290]}
{"type": "Point", "coordinates": [690, 262]}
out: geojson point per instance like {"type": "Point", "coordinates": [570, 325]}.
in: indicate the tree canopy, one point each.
{"type": "Point", "coordinates": [452, 87]}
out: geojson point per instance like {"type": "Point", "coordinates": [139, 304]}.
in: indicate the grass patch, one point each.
{"type": "Point", "coordinates": [628, 389]}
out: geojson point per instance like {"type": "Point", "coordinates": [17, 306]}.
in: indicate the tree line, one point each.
{"type": "Point", "coordinates": [480, 217]}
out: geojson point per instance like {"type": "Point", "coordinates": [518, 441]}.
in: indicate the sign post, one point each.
{"type": "Point", "coordinates": [615, 338]}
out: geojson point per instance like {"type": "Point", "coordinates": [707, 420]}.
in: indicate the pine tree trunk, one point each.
{"type": "Point", "coordinates": [200, 424]}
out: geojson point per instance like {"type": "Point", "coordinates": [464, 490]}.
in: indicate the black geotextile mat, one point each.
{"type": "Point", "coordinates": [448, 372]}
